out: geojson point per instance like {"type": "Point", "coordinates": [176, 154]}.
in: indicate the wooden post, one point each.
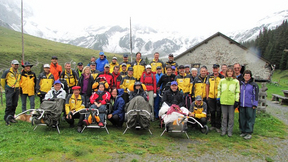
{"type": "Point", "coordinates": [1, 96]}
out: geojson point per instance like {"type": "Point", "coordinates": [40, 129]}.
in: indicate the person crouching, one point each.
{"type": "Point", "coordinates": [198, 110]}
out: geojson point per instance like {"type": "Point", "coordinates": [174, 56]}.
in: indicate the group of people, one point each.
{"type": "Point", "coordinates": [209, 97]}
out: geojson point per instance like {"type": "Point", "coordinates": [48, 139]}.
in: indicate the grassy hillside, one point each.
{"type": "Point", "coordinates": [39, 51]}
{"type": "Point", "coordinates": [279, 83]}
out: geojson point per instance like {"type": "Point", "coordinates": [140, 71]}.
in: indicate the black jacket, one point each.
{"type": "Point", "coordinates": [165, 79]}
{"type": "Point", "coordinates": [171, 97]}
{"type": "Point", "coordinates": [139, 92]}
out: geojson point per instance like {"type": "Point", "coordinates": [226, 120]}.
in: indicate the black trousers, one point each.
{"type": "Point", "coordinates": [76, 116]}
{"type": "Point", "coordinates": [215, 113]}
{"type": "Point", "coordinates": [125, 97]}
{"type": "Point", "coordinates": [41, 96]}
{"type": "Point", "coordinates": [115, 120]}
{"type": "Point", "coordinates": [12, 96]}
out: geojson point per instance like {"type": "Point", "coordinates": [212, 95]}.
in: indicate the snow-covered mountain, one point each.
{"type": "Point", "coordinates": [116, 38]}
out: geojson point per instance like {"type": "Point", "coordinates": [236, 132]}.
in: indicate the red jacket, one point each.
{"type": "Point", "coordinates": [149, 82]}
{"type": "Point", "coordinates": [108, 76]}
{"type": "Point", "coordinates": [116, 80]}
{"type": "Point", "coordinates": [55, 70]}
{"type": "Point", "coordinates": [102, 97]}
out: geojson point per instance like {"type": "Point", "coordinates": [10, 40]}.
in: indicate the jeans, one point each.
{"type": "Point", "coordinates": [157, 101]}
{"type": "Point", "coordinates": [102, 112]}
{"type": "Point", "coordinates": [227, 111]}
{"type": "Point", "coordinates": [32, 101]}
{"type": "Point", "coordinates": [12, 96]}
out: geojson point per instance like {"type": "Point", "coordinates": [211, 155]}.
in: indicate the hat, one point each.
{"type": "Point", "coordinates": [158, 67]}
{"type": "Point", "coordinates": [137, 83]}
{"type": "Point", "coordinates": [194, 69]}
{"type": "Point", "coordinates": [181, 67]}
{"type": "Point", "coordinates": [173, 67]}
{"type": "Point", "coordinates": [54, 57]}
{"type": "Point", "coordinates": [92, 63]}
{"type": "Point", "coordinates": [57, 82]}
{"type": "Point", "coordinates": [15, 62]}
{"type": "Point", "coordinates": [125, 55]}
{"type": "Point", "coordinates": [148, 66]}
{"type": "Point", "coordinates": [27, 64]}
{"type": "Point", "coordinates": [130, 69]}
{"type": "Point", "coordinates": [171, 55]}
{"type": "Point", "coordinates": [114, 58]}
{"type": "Point", "coordinates": [46, 66]}
{"type": "Point", "coordinates": [80, 64]}
{"type": "Point", "coordinates": [174, 83]}
{"type": "Point", "coordinates": [76, 87]}
{"type": "Point", "coordinates": [101, 53]}
{"type": "Point", "coordinates": [107, 65]}
{"type": "Point", "coordinates": [198, 98]}
{"type": "Point", "coordinates": [216, 65]}
{"type": "Point", "coordinates": [186, 66]}
{"type": "Point", "coordinates": [124, 64]}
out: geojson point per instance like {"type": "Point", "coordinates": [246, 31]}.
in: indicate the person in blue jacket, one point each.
{"type": "Point", "coordinates": [101, 61]}
{"type": "Point", "coordinates": [118, 104]}
{"type": "Point", "coordinates": [157, 99]}
{"type": "Point", "coordinates": [248, 103]}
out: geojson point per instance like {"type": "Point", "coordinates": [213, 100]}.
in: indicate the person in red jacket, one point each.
{"type": "Point", "coordinates": [107, 75]}
{"type": "Point", "coordinates": [149, 80]}
{"type": "Point", "coordinates": [99, 100]}
{"type": "Point", "coordinates": [116, 77]}
{"type": "Point", "coordinates": [55, 68]}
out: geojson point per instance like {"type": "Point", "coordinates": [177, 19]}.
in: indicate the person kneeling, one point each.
{"type": "Point", "coordinates": [100, 98]}
{"type": "Point", "coordinates": [118, 104]}
{"type": "Point", "coordinates": [198, 110]}
{"type": "Point", "coordinates": [75, 102]}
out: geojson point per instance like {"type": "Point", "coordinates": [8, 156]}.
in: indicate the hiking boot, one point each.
{"type": "Point", "coordinates": [101, 124]}
{"type": "Point", "coordinates": [223, 134]}
{"type": "Point", "coordinates": [8, 124]}
{"type": "Point", "coordinates": [218, 130]}
{"type": "Point", "coordinates": [79, 129]}
{"type": "Point", "coordinates": [243, 134]}
{"type": "Point", "coordinates": [212, 128]}
{"type": "Point", "coordinates": [248, 137]}
{"type": "Point", "coordinates": [229, 134]}
{"type": "Point", "coordinates": [13, 121]}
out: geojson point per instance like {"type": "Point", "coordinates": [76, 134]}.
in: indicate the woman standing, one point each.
{"type": "Point", "coordinates": [85, 82]}
{"type": "Point", "coordinates": [118, 104]}
{"type": "Point", "coordinates": [248, 105]}
{"type": "Point", "coordinates": [228, 96]}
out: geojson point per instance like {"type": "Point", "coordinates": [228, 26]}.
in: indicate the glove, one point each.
{"type": "Point", "coordinates": [155, 95]}
{"type": "Point", "coordinates": [218, 102]}
{"type": "Point", "coordinates": [236, 104]}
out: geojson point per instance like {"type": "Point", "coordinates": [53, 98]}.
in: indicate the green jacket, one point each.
{"type": "Point", "coordinates": [228, 91]}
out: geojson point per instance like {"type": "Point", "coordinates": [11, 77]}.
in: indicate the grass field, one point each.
{"type": "Point", "coordinates": [281, 77]}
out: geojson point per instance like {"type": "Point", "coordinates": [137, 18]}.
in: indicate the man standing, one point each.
{"type": "Point", "coordinates": [166, 78]}
{"type": "Point", "coordinates": [93, 59]}
{"type": "Point", "coordinates": [10, 81]}
{"type": "Point", "coordinates": [79, 69]}
{"type": "Point", "coordinates": [187, 69]}
{"type": "Point", "coordinates": [44, 83]}
{"type": "Point", "coordinates": [70, 76]}
{"type": "Point", "coordinates": [138, 66]}
{"type": "Point", "coordinates": [126, 82]}
{"type": "Point", "coordinates": [116, 77]}
{"type": "Point", "coordinates": [101, 62]}
{"type": "Point", "coordinates": [156, 63]}
{"type": "Point", "coordinates": [194, 73]}
{"type": "Point", "coordinates": [55, 68]}
{"type": "Point", "coordinates": [157, 99]}
{"type": "Point", "coordinates": [171, 62]}
{"type": "Point", "coordinates": [27, 86]}
{"type": "Point", "coordinates": [199, 84]}
{"type": "Point", "coordinates": [94, 72]}
{"type": "Point", "coordinates": [223, 69]}
{"type": "Point", "coordinates": [113, 63]}
{"type": "Point", "coordinates": [237, 69]}
{"type": "Point", "coordinates": [125, 60]}
{"type": "Point", "coordinates": [124, 71]}
{"type": "Point", "coordinates": [211, 97]}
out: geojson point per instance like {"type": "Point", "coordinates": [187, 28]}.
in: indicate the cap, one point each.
{"type": "Point", "coordinates": [46, 66]}
{"type": "Point", "coordinates": [186, 66]}
{"type": "Point", "coordinates": [193, 69]}
{"type": "Point", "coordinates": [15, 62]}
{"type": "Point", "coordinates": [76, 87]}
{"type": "Point", "coordinates": [171, 55]}
{"type": "Point", "coordinates": [125, 55]}
{"type": "Point", "coordinates": [198, 98]}
{"type": "Point", "coordinates": [92, 63]}
{"type": "Point", "coordinates": [173, 67]}
{"type": "Point", "coordinates": [101, 53]}
{"type": "Point", "coordinates": [174, 83]}
{"type": "Point", "coordinates": [130, 69]}
{"type": "Point", "coordinates": [80, 64]}
{"type": "Point", "coordinates": [137, 83]}
{"type": "Point", "coordinates": [158, 67]}
{"type": "Point", "coordinates": [27, 64]}
{"type": "Point", "coordinates": [114, 58]}
{"type": "Point", "coordinates": [57, 82]}
{"type": "Point", "coordinates": [181, 67]}
{"type": "Point", "coordinates": [54, 57]}
{"type": "Point", "coordinates": [107, 65]}
{"type": "Point", "coordinates": [148, 67]}
{"type": "Point", "coordinates": [216, 65]}
{"type": "Point", "coordinates": [123, 64]}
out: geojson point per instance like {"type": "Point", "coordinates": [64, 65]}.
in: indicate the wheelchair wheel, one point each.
{"type": "Point", "coordinates": [204, 129]}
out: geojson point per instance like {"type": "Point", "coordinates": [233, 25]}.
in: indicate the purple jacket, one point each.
{"type": "Point", "coordinates": [249, 94]}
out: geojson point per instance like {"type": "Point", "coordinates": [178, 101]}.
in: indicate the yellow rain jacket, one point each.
{"type": "Point", "coordinates": [10, 79]}
{"type": "Point", "coordinates": [138, 68]}
{"type": "Point", "coordinates": [199, 87]}
{"type": "Point", "coordinates": [184, 83]}
{"type": "Point", "coordinates": [212, 84]}
{"type": "Point", "coordinates": [128, 64]}
{"type": "Point", "coordinates": [28, 82]}
{"type": "Point", "coordinates": [112, 66]}
{"type": "Point", "coordinates": [94, 73]}
{"type": "Point", "coordinates": [155, 64]}
{"type": "Point", "coordinates": [199, 111]}
{"type": "Point", "coordinates": [126, 81]}
{"type": "Point", "coordinates": [73, 103]}
{"type": "Point", "coordinates": [71, 78]}
{"type": "Point", "coordinates": [44, 83]}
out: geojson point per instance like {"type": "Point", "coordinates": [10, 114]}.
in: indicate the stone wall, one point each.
{"type": "Point", "coordinates": [220, 50]}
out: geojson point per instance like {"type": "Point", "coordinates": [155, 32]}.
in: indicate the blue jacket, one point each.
{"type": "Point", "coordinates": [100, 63]}
{"type": "Point", "coordinates": [249, 94]}
{"type": "Point", "coordinates": [158, 76]}
{"type": "Point", "coordinates": [119, 104]}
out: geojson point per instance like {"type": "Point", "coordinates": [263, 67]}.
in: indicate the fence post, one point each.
{"type": "Point", "coordinates": [1, 96]}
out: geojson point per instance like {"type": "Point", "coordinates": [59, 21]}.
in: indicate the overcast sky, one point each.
{"type": "Point", "coordinates": [191, 17]}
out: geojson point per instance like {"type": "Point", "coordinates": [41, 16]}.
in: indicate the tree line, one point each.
{"type": "Point", "coordinates": [271, 44]}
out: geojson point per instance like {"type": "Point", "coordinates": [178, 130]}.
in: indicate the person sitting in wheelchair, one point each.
{"type": "Point", "coordinates": [137, 89]}
{"type": "Point", "coordinates": [99, 100]}
{"type": "Point", "coordinates": [75, 102]}
{"type": "Point", "coordinates": [56, 91]}
{"type": "Point", "coordinates": [173, 95]}
{"type": "Point", "coordinates": [198, 110]}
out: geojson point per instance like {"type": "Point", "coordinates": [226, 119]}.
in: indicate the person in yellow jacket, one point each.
{"type": "Point", "coordinates": [125, 60]}
{"type": "Point", "coordinates": [94, 72]}
{"type": "Point", "coordinates": [156, 62]}
{"type": "Point", "coordinates": [44, 82]}
{"type": "Point", "coordinates": [70, 76]}
{"type": "Point", "coordinates": [172, 63]}
{"type": "Point", "coordinates": [125, 83]}
{"type": "Point", "coordinates": [75, 102]}
{"type": "Point", "coordinates": [112, 64]}
{"type": "Point", "coordinates": [28, 86]}
{"type": "Point", "coordinates": [198, 110]}
{"type": "Point", "coordinates": [10, 81]}
{"type": "Point", "coordinates": [138, 66]}
{"type": "Point", "coordinates": [199, 84]}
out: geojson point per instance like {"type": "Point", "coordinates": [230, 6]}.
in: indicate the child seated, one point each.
{"type": "Point", "coordinates": [137, 89]}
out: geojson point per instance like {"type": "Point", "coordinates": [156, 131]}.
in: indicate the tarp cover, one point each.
{"type": "Point", "coordinates": [142, 118]}
{"type": "Point", "coordinates": [53, 109]}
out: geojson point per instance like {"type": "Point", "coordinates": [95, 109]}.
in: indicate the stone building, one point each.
{"type": "Point", "coordinates": [223, 50]}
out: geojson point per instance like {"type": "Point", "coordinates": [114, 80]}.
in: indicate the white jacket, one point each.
{"type": "Point", "coordinates": [59, 94]}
